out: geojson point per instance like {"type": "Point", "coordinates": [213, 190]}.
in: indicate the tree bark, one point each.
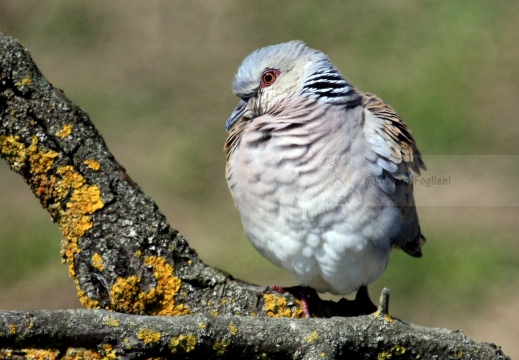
{"type": "Point", "coordinates": [203, 336]}
{"type": "Point", "coordinates": [124, 257]}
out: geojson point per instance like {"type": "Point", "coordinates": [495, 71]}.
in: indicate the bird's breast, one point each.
{"type": "Point", "coordinates": [305, 204]}
{"type": "Point", "coordinates": [302, 172]}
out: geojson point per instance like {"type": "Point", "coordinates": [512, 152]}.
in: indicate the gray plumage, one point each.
{"type": "Point", "coordinates": [321, 173]}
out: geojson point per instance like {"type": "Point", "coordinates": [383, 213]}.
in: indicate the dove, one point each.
{"type": "Point", "coordinates": [320, 172]}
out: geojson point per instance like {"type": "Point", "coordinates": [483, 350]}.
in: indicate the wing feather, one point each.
{"type": "Point", "coordinates": [396, 159]}
{"type": "Point", "coordinates": [233, 141]}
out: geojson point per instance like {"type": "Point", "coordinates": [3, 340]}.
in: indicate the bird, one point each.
{"type": "Point", "coordinates": [320, 172]}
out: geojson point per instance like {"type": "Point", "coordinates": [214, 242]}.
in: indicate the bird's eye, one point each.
{"type": "Point", "coordinates": [268, 77]}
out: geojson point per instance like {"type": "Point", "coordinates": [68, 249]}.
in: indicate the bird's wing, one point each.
{"type": "Point", "coordinates": [394, 159]}
{"type": "Point", "coordinates": [233, 139]}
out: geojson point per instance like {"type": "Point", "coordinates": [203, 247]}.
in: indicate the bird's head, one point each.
{"type": "Point", "coordinates": [275, 73]}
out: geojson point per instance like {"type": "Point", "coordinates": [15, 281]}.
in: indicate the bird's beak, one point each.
{"type": "Point", "coordinates": [237, 114]}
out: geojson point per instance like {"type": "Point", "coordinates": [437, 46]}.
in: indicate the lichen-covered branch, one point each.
{"type": "Point", "coordinates": [124, 256]}
{"type": "Point", "coordinates": [110, 334]}
{"type": "Point", "coordinates": [120, 250]}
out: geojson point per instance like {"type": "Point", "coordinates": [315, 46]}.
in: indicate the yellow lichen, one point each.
{"type": "Point", "coordinates": [65, 131]}
{"type": "Point", "coordinates": [74, 220]}
{"type": "Point", "coordinates": [124, 293]}
{"type": "Point", "coordinates": [13, 329]}
{"type": "Point", "coordinates": [384, 355]}
{"type": "Point", "coordinates": [92, 164]}
{"type": "Point", "coordinates": [6, 353]}
{"type": "Point", "coordinates": [183, 342]}
{"type": "Point", "coordinates": [387, 318]}
{"type": "Point", "coordinates": [110, 353]}
{"type": "Point", "coordinates": [167, 286]}
{"type": "Point", "coordinates": [97, 262]}
{"type": "Point", "coordinates": [81, 354]}
{"type": "Point", "coordinates": [233, 329]}
{"type": "Point", "coordinates": [112, 322]}
{"type": "Point", "coordinates": [40, 161]}
{"type": "Point", "coordinates": [37, 354]}
{"type": "Point", "coordinates": [148, 336]}
{"type": "Point", "coordinates": [221, 346]}
{"type": "Point", "coordinates": [202, 325]}
{"type": "Point", "coordinates": [137, 254]}
{"type": "Point", "coordinates": [86, 301]}
{"type": "Point", "coordinates": [86, 200]}
{"type": "Point", "coordinates": [127, 296]}
{"type": "Point", "coordinates": [395, 352]}
{"type": "Point", "coordinates": [24, 82]}
{"type": "Point", "coordinates": [312, 337]}
{"type": "Point", "coordinates": [17, 154]}
{"type": "Point", "coordinates": [14, 151]}
{"type": "Point", "coordinates": [276, 306]}
{"type": "Point", "coordinates": [72, 199]}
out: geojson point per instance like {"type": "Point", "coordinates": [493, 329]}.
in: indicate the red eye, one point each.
{"type": "Point", "coordinates": [268, 77]}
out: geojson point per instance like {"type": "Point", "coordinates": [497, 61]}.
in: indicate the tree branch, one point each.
{"type": "Point", "coordinates": [124, 256]}
{"type": "Point", "coordinates": [202, 336]}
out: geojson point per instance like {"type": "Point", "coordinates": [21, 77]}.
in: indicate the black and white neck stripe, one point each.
{"type": "Point", "coordinates": [328, 84]}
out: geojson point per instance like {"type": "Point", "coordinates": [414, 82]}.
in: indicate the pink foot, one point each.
{"type": "Point", "coordinates": [277, 288]}
{"type": "Point", "coordinates": [304, 302]}
{"type": "Point", "coordinates": [306, 295]}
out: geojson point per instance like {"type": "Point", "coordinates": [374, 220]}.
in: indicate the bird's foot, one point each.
{"type": "Point", "coordinates": [277, 289]}
{"type": "Point", "coordinates": [311, 303]}
{"type": "Point", "coordinates": [308, 297]}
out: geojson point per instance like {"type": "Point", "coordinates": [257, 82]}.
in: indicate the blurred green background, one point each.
{"type": "Point", "coordinates": [155, 79]}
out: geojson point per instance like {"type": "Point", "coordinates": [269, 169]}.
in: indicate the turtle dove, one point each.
{"type": "Point", "coordinates": [321, 173]}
